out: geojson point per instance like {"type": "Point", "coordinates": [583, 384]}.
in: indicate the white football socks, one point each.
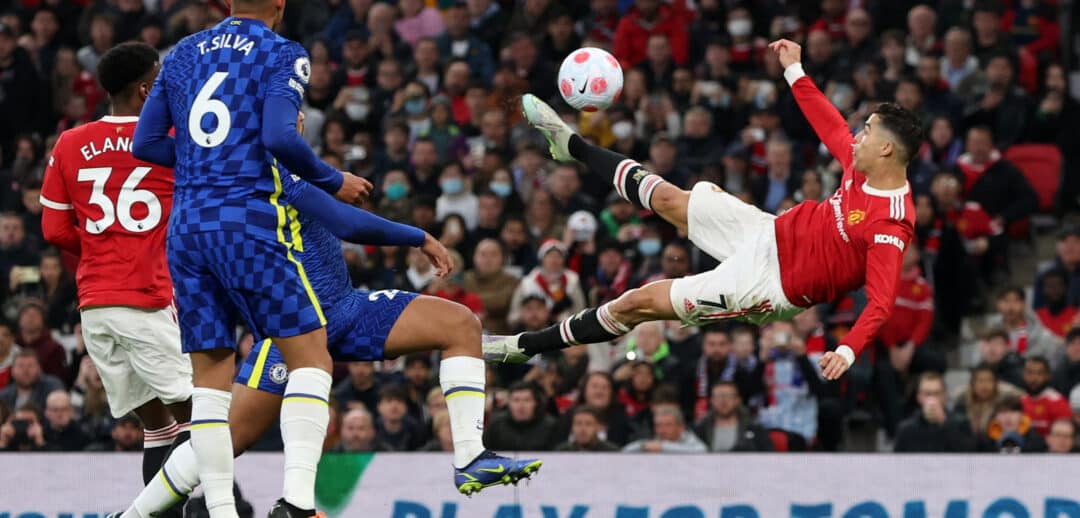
{"type": "Point", "coordinates": [462, 380]}
{"type": "Point", "coordinates": [212, 445]}
{"type": "Point", "coordinates": [177, 479]}
{"type": "Point", "coordinates": [304, 418]}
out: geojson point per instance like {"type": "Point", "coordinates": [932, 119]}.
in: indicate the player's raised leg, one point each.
{"type": "Point", "coordinates": [633, 182]}
{"type": "Point", "coordinates": [592, 325]}
{"type": "Point", "coordinates": [423, 326]}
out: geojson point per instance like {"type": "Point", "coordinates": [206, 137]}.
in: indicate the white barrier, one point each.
{"type": "Point", "coordinates": [598, 486]}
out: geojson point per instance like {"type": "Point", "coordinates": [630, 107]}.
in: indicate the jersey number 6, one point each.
{"type": "Point", "coordinates": [204, 104]}
{"type": "Point", "coordinates": [127, 198]}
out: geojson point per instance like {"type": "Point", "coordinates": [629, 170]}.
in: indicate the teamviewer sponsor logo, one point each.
{"type": "Point", "coordinates": [835, 200]}
{"type": "Point", "coordinates": [886, 239]}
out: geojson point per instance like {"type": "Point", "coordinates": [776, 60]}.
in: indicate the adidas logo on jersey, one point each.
{"type": "Point", "coordinates": [886, 239]}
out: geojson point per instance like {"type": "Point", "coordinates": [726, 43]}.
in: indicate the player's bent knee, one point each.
{"type": "Point", "coordinates": [667, 200]}
{"type": "Point", "coordinates": [633, 307]}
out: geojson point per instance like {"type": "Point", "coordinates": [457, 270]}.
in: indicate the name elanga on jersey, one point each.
{"type": "Point", "coordinates": [109, 144]}
{"type": "Point", "coordinates": [235, 42]}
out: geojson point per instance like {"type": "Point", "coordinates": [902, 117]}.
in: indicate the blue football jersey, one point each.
{"type": "Point", "coordinates": [215, 83]}
{"type": "Point", "coordinates": [317, 249]}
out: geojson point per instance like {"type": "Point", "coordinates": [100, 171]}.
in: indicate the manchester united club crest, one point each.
{"type": "Point", "coordinates": [855, 217]}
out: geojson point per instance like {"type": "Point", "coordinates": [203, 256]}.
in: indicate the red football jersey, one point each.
{"type": "Point", "coordinates": [856, 237]}
{"type": "Point", "coordinates": [111, 209]}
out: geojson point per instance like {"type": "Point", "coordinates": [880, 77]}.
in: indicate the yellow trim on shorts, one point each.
{"type": "Point", "coordinates": [200, 426]}
{"type": "Point", "coordinates": [260, 364]}
{"type": "Point", "coordinates": [294, 228]}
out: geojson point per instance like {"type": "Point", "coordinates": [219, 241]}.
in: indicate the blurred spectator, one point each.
{"type": "Point", "coordinates": [858, 45]}
{"type": "Point", "coordinates": [1057, 315]}
{"type": "Point", "coordinates": [35, 336]}
{"type": "Point", "coordinates": [612, 275]}
{"type": "Point", "coordinates": [126, 435]}
{"type": "Point", "coordinates": [420, 272]}
{"type": "Point", "coordinates": [587, 425]}
{"type": "Point", "coordinates": [993, 182]}
{"type": "Point", "coordinates": [487, 20]}
{"type": "Point", "coordinates": [492, 284]}
{"type": "Point", "coordinates": [23, 100]}
{"type": "Point", "coordinates": [1066, 261]}
{"type": "Point", "coordinates": [715, 365]}
{"type": "Point", "coordinates": [932, 428]}
{"type": "Point", "coordinates": [1062, 437]}
{"type": "Point", "coordinates": [1042, 404]}
{"type": "Point", "coordinates": [1010, 431]}
{"type": "Point", "coordinates": [417, 21]}
{"type": "Point", "coordinates": [527, 63]}
{"type": "Point", "coordinates": [8, 351]}
{"type": "Point", "coordinates": [982, 393]}
{"type": "Point", "coordinates": [645, 19]}
{"type": "Point", "coordinates": [50, 284]}
{"type": "Point", "coordinates": [1027, 336]}
{"type": "Point", "coordinates": [603, 19]}
{"type": "Point", "coordinates": [91, 404]}
{"type": "Point", "coordinates": [394, 203]}
{"type": "Point", "coordinates": [418, 383]}
{"type": "Point", "coordinates": [523, 426]}
{"type": "Point", "coordinates": [443, 439]}
{"type": "Point", "coordinates": [1047, 125]}
{"type": "Point", "coordinates": [671, 435]}
{"type": "Point", "coordinates": [360, 390]}
{"type": "Point", "coordinates": [647, 343]}
{"type": "Point", "coordinates": [597, 393]}
{"type": "Point", "coordinates": [989, 39]}
{"type": "Point", "coordinates": [101, 40]}
{"type": "Point", "coordinates": [728, 425]}
{"type": "Point", "coordinates": [1066, 376]}
{"type": "Point", "coordinates": [16, 249]}
{"type": "Point", "coordinates": [922, 37]}
{"type": "Point", "coordinates": [560, 285]}
{"type": "Point", "coordinates": [792, 382]}
{"type": "Point", "coordinates": [996, 353]}
{"type": "Point", "coordinates": [394, 426]}
{"type": "Point", "coordinates": [28, 383]}
{"type": "Point", "coordinates": [958, 63]}
{"type": "Point", "coordinates": [998, 103]}
{"type": "Point", "coordinates": [358, 433]}
{"type": "Point", "coordinates": [62, 432]}
{"type": "Point", "coordinates": [779, 182]}
{"type": "Point", "coordinates": [456, 198]}
{"type": "Point", "coordinates": [23, 431]}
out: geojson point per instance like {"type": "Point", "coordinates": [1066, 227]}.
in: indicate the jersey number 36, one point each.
{"type": "Point", "coordinates": [128, 197]}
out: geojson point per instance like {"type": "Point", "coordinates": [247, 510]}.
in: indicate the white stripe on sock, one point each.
{"type": "Point", "coordinates": [646, 188]}
{"type": "Point", "coordinates": [620, 176]}
{"type": "Point", "coordinates": [609, 323]}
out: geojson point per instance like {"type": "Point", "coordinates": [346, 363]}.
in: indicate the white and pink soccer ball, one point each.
{"type": "Point", "coordinates": [590, 79]}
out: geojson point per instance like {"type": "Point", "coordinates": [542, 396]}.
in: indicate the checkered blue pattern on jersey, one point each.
{"type": "Point", "coordinates": [219, 277]}
{"type": "Point", "coordinates": [227, 186]}
{"type": "Point", "coordinates": [357, 327]}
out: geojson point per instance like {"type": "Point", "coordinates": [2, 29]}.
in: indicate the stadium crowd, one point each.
{"type": "Point", "coordinates": [419, 97]}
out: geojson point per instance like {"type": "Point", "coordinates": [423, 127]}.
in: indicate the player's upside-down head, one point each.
{"type": "Point", "coordinates": [127, 72]}
{"type": "Point", "coordinates": [891, 137]}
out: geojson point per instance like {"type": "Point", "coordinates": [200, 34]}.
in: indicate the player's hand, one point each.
{"type": "Point", "coordinates": [437, 254]}
{"type": "Point", "coordinates": [354, 190]}
{"type": "Point", "coordinates": [833, 365]}
{"type": "Point", "coordinates": [788, 51]}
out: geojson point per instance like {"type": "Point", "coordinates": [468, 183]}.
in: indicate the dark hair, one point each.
{"type": "Point", "coordinates": [715, 328]}
{"type": "Point", "coordinates": [393, 393]}
{"type": "Point", "coordinates": [1038, 359]}
{"type": "Point", "coordinates": [905, 125]}
{"type": "Point", "coordinates": [421, 358]}
{"type": "Point", "coordinates": [1009, 403]}
{"type": "Point", "coordinates": [982, 367]}
{"type": "Point", "coordinates": [987, 6]}
{"type": "Point", "coordinates": [997, 332]}
{"type": "Point", "coordinates": [589, 411]}
{"type": "Point", "coordinates": [1011, 290]}
{"type": "Point", "coordinates": [1073, 334]}
{"type": "Point", "coordinates": [124, 65]}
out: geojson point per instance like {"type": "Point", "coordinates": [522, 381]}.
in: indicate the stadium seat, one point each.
{"type": "Point", "coordinates": [1041, 165]}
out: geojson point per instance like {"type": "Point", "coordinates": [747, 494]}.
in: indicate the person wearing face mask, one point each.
{"type": "Point", "coordinates": [395, 203]}
{"type": "Point", "coordinates": [747, 51]}
{"type": "Point", "coordinates": [456, 196]}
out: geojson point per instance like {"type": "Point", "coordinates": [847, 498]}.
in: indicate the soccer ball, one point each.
{"type": "Point", "coordinates": [590, 79]}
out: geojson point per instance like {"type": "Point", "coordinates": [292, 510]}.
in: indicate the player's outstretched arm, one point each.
{"type": "Point", "coordinates": [826, 120]}
{"type": "Point", "coordinates": [152, 142]}
{"type": "Point", "coordinates": [884, 260]}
